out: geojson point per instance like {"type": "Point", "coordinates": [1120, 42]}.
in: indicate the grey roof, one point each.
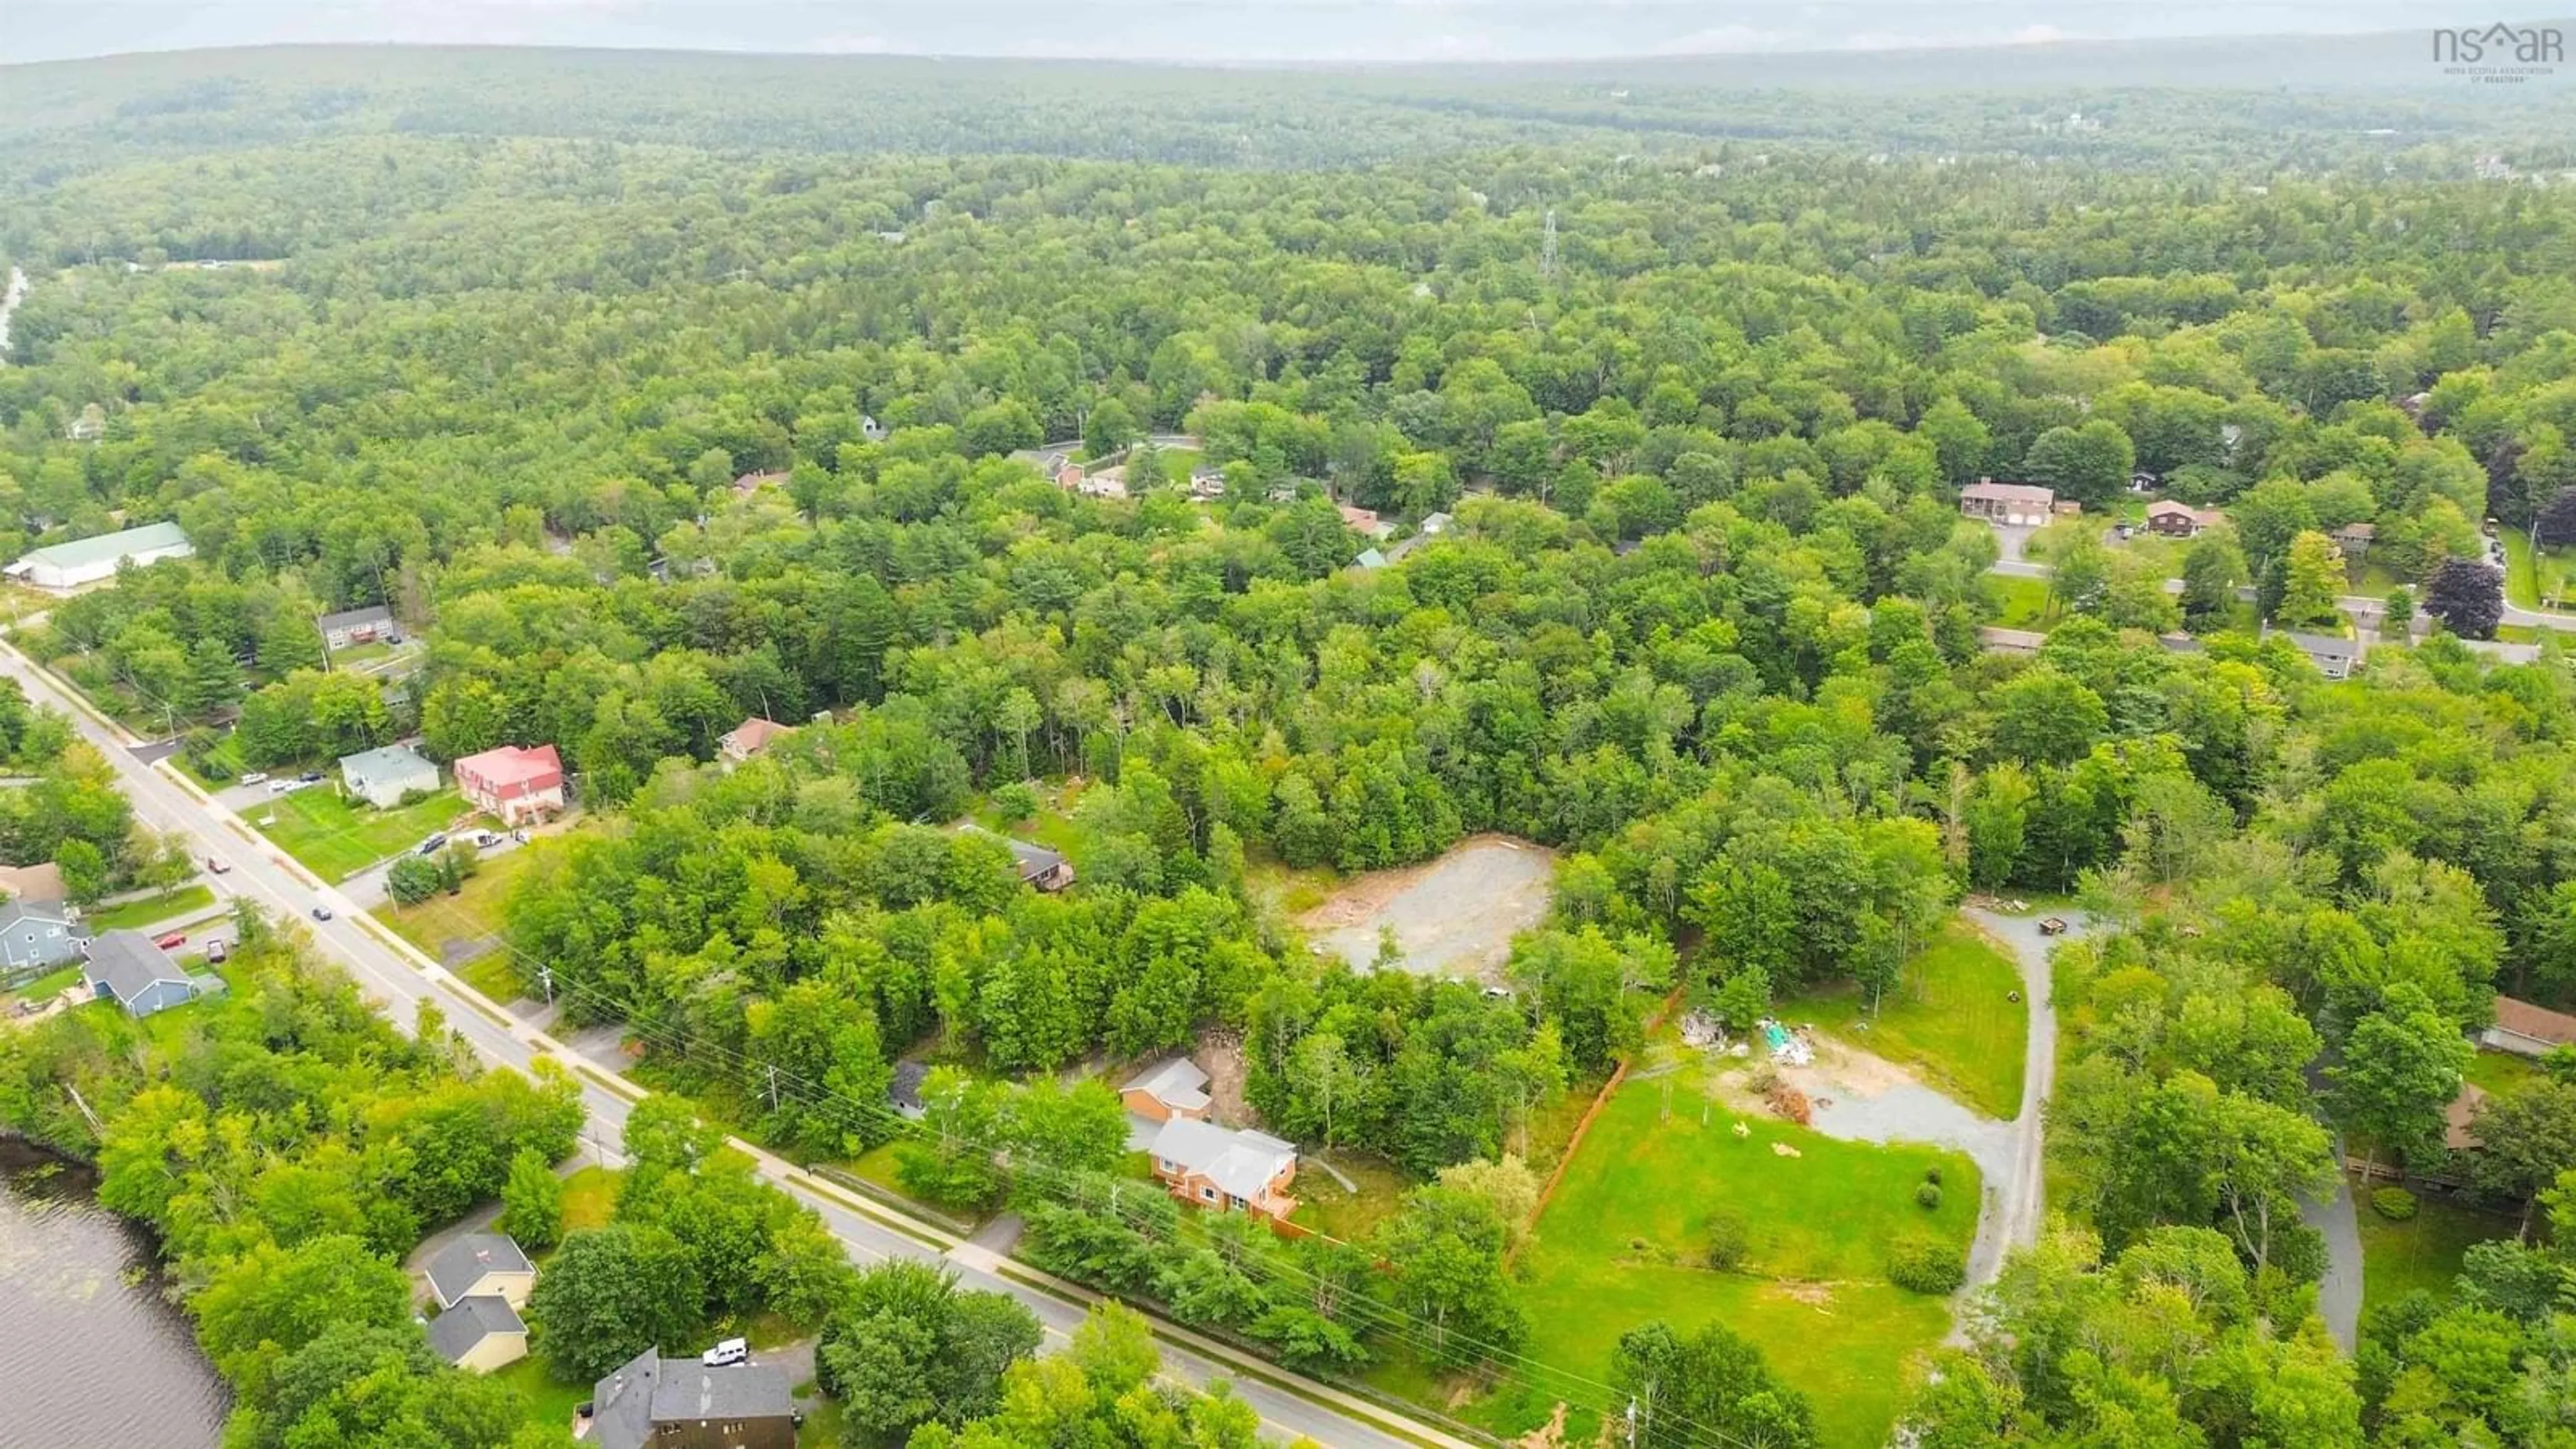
{"type": "Point", "coordinates": [1370, 559]}
{"type": "Point", "coordinates": [650, 1390]}
{"type": "Point", "coordinates": [1035, 860]}
{"type": "Point", "coordinates": [2322, 646]}
{"type": "Point", "coordinates": [1177, 1082]}
{"type": "Point", "coordinates": [1992, 491]}
{"type": "Point", "coordinates": [455, 1332]}
{"type": "Point", "coordinates": [387, 760]}
{"type": "Point", "coordinates": [128, 964]}
{"type": "Point", "coordinates": [51, 913]}
{"type": "Point", "coordinates": [903, 1089]}
{"type": "Point", "coordinates": [1240, 1163]}
{"type": "Point", "coordinates": [350, 618]}
{"type": "Point", "coordinates": [461, 1264]}
{"type": "Point", "coordinates": [81, 552]}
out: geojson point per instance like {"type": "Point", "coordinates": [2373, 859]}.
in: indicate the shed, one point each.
{"type": "Point", "coordinates": [482, 1332]}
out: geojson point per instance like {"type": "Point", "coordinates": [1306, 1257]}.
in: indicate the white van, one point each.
{"type": "Point", "coordinates": [728, 1353]}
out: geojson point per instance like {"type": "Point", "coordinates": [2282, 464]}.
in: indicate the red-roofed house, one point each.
{"type": "Point", "coordinates": [2528, 1030]}
{"type": "Point", "coordinates": [749, 738]}
{"type": "Point", "coordinates": [514, 783]}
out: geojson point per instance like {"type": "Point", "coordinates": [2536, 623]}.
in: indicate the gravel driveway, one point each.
{"type": "Point", "coordinates": [2017, 1200]}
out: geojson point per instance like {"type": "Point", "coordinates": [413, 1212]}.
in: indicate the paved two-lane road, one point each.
{"type": "Point", "coordinates": [259, 873]}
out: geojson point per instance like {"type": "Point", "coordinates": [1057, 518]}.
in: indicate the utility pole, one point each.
{"type": "Point", "coordinates": [546, 979]}
{"type": "Point", "coordinates": [773, 1088]}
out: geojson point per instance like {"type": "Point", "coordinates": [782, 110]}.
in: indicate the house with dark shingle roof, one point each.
{"type": "Point", "coordinates": [125, 967]}
{"type": "Point", "coordinates": [481, 1263]}
{"type": "Point", "coordinates": [38, 934]}
{"type": "Point", "coordinates": [652, 1402]}
{"type": "Point", "coordinates": [482, 1332]}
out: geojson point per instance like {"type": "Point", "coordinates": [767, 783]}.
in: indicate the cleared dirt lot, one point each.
{"type": "Point", "coordinates": [1454, 916]}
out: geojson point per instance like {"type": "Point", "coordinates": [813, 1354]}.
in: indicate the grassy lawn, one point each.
{"type": "Point", "coordinates": [549, 1400]}
{"type": "Point", "coordinates": [2024, 602]}
{"type": "Point", "coordinates": [471, 914]}
{"type": "Point", "coordinates": [822, 1428]}
{"type": "Point", "coordinates": [2421, 1252]}
{"type": "Point", "coordinates": [588, 1196]}
{"type": "Point", "coordinates": [185, 901]}
{"type": "Point", "coordinates": [45, 987]}
{"type": "Point", "coordinates": [2501, 1071]}
{"type": "Point", "coordinates": [1620, 1246]}
{"type": "Point", "coordinates": [1950, 1019]}
{"type": "Point", "coordinates": [336, 839]}
{"type": "Point", "coordinates": [1323, 1204]}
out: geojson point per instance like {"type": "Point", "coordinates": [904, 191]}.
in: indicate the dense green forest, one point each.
{"type": "Point", "coordinates": [644, 429]}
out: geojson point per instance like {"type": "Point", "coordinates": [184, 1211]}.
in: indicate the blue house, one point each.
{"type": "Point", "coordinates": [124, 966]}
{"type": "Point", "coordinates": [35, 935]}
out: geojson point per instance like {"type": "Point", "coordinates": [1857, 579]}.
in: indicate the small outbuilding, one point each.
{"type": "Point", "coordinates": [2527, 1030]}
{"type": "Point", "coordinates": [1173, 1087]}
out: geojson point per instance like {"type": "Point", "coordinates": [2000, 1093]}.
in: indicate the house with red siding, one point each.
{"type": "Point", "coordinates": [515, 783]}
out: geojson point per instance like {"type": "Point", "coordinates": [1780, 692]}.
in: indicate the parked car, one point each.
{"type": "Point", "coordinates": [309, 777]}
{"type": "Point", "coordinates": [217, 950]}
{"type": "Point", "coordinates": [173, 941]}
{"type": "Point", "coordinates": [728, 1353]}
{"type": "Point", "coordinates": [486, 839]}
{"type": "Point", "coordinates": [255, 777]}
{"type": "Point", "coordinates": [432, 845]}
{"type": "Point", "coordinates": [2053, 926]}
{"type": "Point", "coordinates": [321, 913]}
{"type": "Point", "coordinates": [280, 787]}
{"type": "Point", "coordinates": [217, 866]}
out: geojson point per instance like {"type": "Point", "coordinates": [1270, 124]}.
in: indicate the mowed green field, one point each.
{"type": "Point", "coordinates": [335, 839]}
{"type": "Point", "coordinates": [1952, 1020]}
{"type": "Point", "coordinates": [1621, 1246]}
{"type": "Point", "coordinates": [2423, 1251]}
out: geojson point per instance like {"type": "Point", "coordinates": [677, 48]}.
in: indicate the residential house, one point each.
{"type": "Point", "coordinates": [480, 1334]}
{"type": "Point", "coordinates": [1224, 1169]}
{"type": "Point", "coordinates": [1069, 476]}
{"type": "Point", "coordinates": [2178, 642]}
{"type": "Point", "coordinates": [38, 934]}
{"type": "Point", "coordinates": [1207, 485]}
{"type": "Point", "coordinates": [355, 626]}
{"type": "Point", "coordinates": [1370, 559]}
{"type": "Point", "coordinates": [515, 783]}
{"type": "Point", "coordinates": [95, 560]}
{"type": "Point", "coordinates": [903, 1089]}
{"type": "Point", "coordinates": [2527, 1030]}
{"type": "Point", "coordinates": [388, 776]}
{"type": "Point", "coordinates": [750, 483]}
{"type": "Point", "coordinates": [1174, 1087]}
{"type": "Point", "coordinates": [1365, 521]}
{"type": "Point", "coordinates": [89, 427]}
{"type": "Point", "coordinates": [2334, 656]}
{"type": "Point", "coordinates": [2143, 481]}
{"type": "Point", "coordinates": [1040, 868]}
{"type": "Point", "coordinates": [2018, 505]}
{"type": "Point", "coordinates": [652, 1402]}
{"type": "Point", "coordinates": [39, 882]}
{"type": "Point", "coordinates": [475, 1264]}
{"type": "Point", "coordinates": [1433, 525]}
{"type": "Point", "coordinates": [869, 427]}
{"type": "Point", "coordinates": [1102, 482]}
{"type": "Point", "coordinates": [125, 967]}
{"type": "Point", "coordinates": [749, 738]}
{"type": "Point", "coordinates": [2169, 519]}
{"type": "Point", "coordinates": [2355, 539]}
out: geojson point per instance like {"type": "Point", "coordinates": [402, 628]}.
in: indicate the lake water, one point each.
{"type": "Point", "coordinates": [90, 1352]}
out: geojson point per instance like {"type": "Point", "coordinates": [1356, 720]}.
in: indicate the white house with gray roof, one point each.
{"type": "Point", "coordinates": [88, 561]}
{"type": "Point", "coordinates": [1219, 1168]}
{"type": "Point", "coordinates": [385, 777]}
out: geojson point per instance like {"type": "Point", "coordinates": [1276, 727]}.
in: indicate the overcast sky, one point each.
{"type": "Point", "coordinates": [1217, 30]}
